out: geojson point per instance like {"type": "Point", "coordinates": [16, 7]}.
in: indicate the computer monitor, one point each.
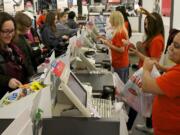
{"type": "Point", "coordinates": [89, 65]}
{"type": "Point", "coordinates": [76, 94]}
{"type": "Point", "coordinates": [77, 89]}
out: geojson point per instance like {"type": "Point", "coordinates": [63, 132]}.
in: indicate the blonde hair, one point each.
{"type": "Point", "coordinates": [117, 22]}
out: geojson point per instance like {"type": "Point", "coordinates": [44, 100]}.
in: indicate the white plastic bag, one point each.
{"type": "Point", "coordinates": [133, 95]}
{"type": "Point", "coordinates": [119, 86]}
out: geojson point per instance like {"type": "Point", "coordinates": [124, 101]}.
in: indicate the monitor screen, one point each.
{"type": "Point", "coordinates": [77, 89]}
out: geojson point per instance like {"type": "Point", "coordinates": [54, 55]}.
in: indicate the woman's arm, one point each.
{"type": "Point", "coordinates": [149, 83]}
{"type": "Point", "coordinates": [109, 43]}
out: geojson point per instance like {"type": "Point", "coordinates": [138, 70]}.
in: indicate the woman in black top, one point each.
{"type": "Point", "coordinates": [12, 71]}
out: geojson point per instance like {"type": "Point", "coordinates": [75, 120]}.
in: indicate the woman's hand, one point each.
{"type": "Point", "coordinates": [125, 42]}
{"type": "Point", "coordinates": [148, 64]}
{"type": "Point", "coordinates": [14, 83]}
{"type": "Point", "coordinates": [105, 41]}
{"type": "Point", "coordinates": [133, 50]}
{"type": "Point", "coordinates": [161, 67]}
{"type": "Point", "coordinates": [141, 47]}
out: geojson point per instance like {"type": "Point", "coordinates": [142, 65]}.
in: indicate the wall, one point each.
{"type": "Point", "coordinates": [8, 6]}
{"type": "Point", "coordinates": [148, 5]}
{"type": "Point", "coordinates": [62, 4]}
{"type": "Point", "coordinates": [176, 19]}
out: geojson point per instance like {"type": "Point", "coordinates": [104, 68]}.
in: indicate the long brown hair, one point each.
{"type": "Point", "coordinates": [50, 20]}
{"type": "Point", "coordinates": [155, 26]}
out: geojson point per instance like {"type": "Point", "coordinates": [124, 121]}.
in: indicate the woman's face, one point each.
{"type": "Point", "coordinates": [64, 18]}
{"type": "Point", "coordinates": [7, 32]}
{"type": "Point", "coordinates": [174, 49]}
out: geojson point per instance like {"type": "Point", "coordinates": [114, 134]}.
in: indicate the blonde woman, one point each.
{"type": "Point", "coordinates": [119, 51]}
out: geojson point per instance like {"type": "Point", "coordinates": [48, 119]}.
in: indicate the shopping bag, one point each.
{"type": "Point", "coordinates": [119, 86]}
{"type": "Point", "coordinates": [135, 97]}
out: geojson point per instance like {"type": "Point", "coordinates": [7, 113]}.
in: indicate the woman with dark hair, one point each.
{"type": "Point", "coordinates": [12, 70]}
{"type": "Point", "coordinates": [71, 22]}
{"type": "Point", "coordinates": [152, 47]}
{"type": "Point", "coordinates": [166, 90]}
{"type": "Point", "coordinates": [48, 35]}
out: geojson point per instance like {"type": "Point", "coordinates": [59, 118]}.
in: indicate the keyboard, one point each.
{"type": "Point", "coordinates": [102, 106]}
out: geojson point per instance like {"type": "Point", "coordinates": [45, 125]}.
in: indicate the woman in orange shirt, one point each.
{"type": "Point", "coordinates": [41, 20]}
{"type": "Point", "coordinates": [153, 48]}
{"type": "Point", "coordinates": [153, 45]}
{"type": "Point", "coordinates": [166, 106]}
{"type": "Point", "coordinates": [119, 52]}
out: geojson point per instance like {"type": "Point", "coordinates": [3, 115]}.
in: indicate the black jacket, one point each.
{"type": "Point", "coordinates": [51, 41]}
{"type": "Point", "coordinates": [12, 61]}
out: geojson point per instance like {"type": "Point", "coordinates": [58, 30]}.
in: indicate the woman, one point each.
{"type": "Point", "coordinates": [23, 24]}
{"type": "Point", "coordinates": [119, 52]}
{"type": "Point", "coordinates": [12, 71]}
{"type": "Point", "coordinates": [152, 47]}
{"type": "Point", "coordinates": [166, 106]}
{"type": "Point", "coordinates": [41, 20]}
{"type": "Point", "coordinates": [122, 9]}
{"type": "Point", "coordinates": [62, 27]}
{"type": "Point", "coordinates": [48, 34]}
{"type": "Point", "coordinates": [71, 22]}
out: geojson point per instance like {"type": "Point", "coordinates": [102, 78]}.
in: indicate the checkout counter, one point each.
{"type": "Point", "coordinates": [56, 124]}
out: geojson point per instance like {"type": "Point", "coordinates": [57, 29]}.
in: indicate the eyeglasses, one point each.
{"type": "Point", "coordinates": [7, 32]}
{"type": "Point", "coordinates": [176, 45]}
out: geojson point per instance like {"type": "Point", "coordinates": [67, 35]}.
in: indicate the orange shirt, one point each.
{"type": "Point", "coordinates": [166, 108]}
{"type": "Point", "coordinates": [41, 20]}
{"type": "Point", "coordinates": [155, 49]}
{"type": "Point", "coordinates": [119, 60]}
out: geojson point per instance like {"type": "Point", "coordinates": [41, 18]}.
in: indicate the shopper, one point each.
{"type": "Point", "coordinates": [166, 88]}
{"type": "Point", "coordinates": [62, 28]}
{"type": "Point", "coordinates": [12, 70]}
{"type": "Point", "coordinates": [71, 22]}
{"type": "Point", "coordinates": [23, 23]}
{"type": "Point", "coordinates": [119, 52]}
{"type": "Point", "coordinates": [48, 34]}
